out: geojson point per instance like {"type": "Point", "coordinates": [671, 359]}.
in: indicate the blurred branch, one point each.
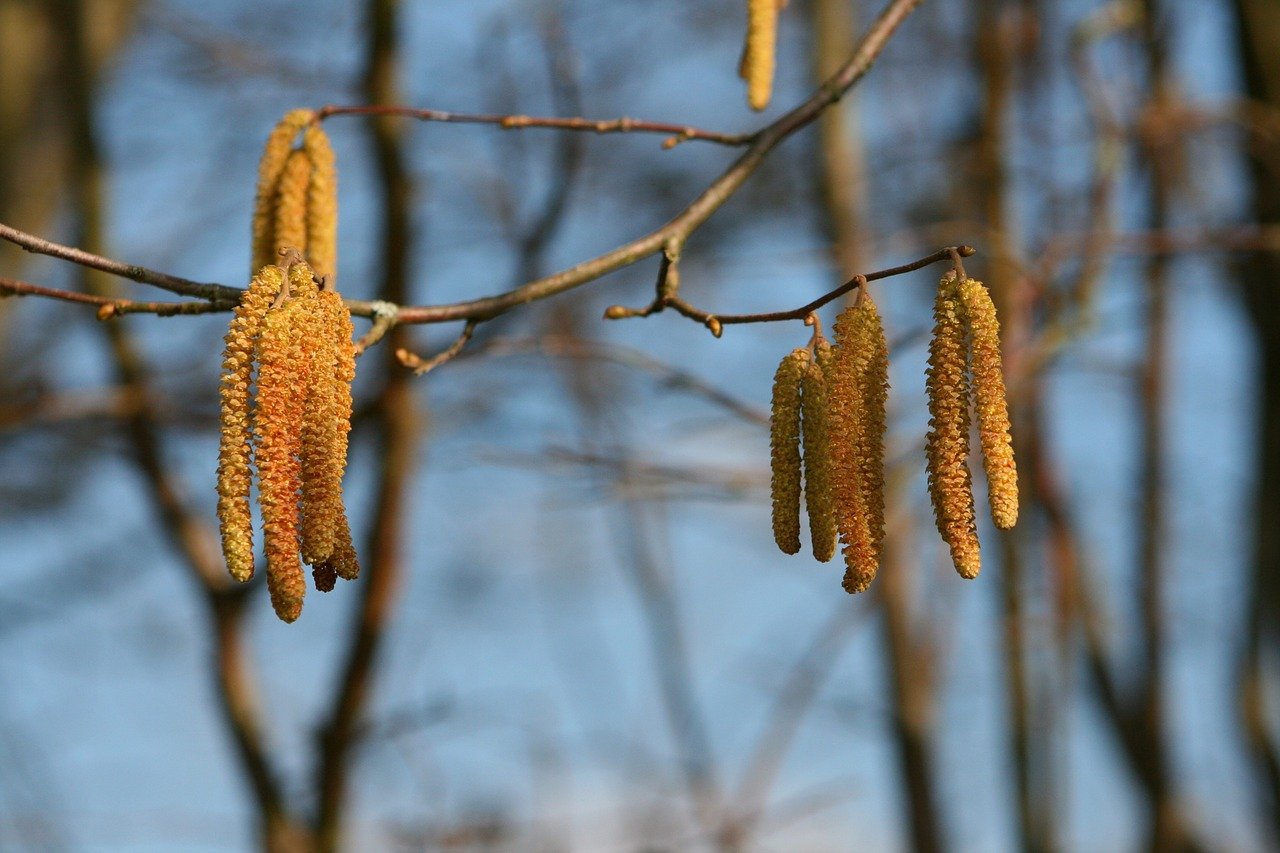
{"type": "Point", "coordinates": [674, 233]}
{"type": "Point", "coordinates": [793, 698]}
{"type": "Point", "coordinates": [562, 346]}
{"type": "Point", "coordinates": [184, 526]}
{"type": "Point", "coordinates": [395, 420]}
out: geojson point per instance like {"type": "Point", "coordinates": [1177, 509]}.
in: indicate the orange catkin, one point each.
{"type": "Point", "coordinates": [858, 387]}
{"type": "Point", "coordinates": [291, 204]}
{"type": "Point", "coordinates": [235, 447]}
{"type": "Point", "coordinates": [784, 446]}
{"type": "Point", "coordinates": [326, 423]}
{"type": "Point", "coordinates": [814, 412]}
{"type": "Point", "coordinates": [274, 154]}
{"type": "Point", "coordinates": [990, 403]}
{"type": "Point", "coordinates": [947, 443]}
{"type": "Point", "coordinates": [282, 384]}
{"type": "Point", "coordinates": [322, 203]}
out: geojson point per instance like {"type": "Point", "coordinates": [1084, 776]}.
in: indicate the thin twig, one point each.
{"type": "Point", "coordinates": [108, 307]}
{"type": "Point", "coordinates": [226, 296]}
{"type": "Point", "coordinates": [420, 366]}
{"type": "Point", "coordinates": [716, 321]}
{"type": "Point", "coordinates": [676, 133]}
{"type": "Point", "coordinates": [486, 308]}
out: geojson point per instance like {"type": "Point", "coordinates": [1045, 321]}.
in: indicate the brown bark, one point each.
{"type": "Point", "coordinates": [188, 534]}
{"type": "Point", "coordinates": [394, 423]}
{"type": "Point", "coordinates": [1259, 39]}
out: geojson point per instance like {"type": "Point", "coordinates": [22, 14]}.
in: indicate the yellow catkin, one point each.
{"type": "Point", "coordinates": [234, 450]}
{"type": "Point", "coordinates": [322, 203]}
{"type": "Point", "coordinates": [784, 447]}
{"type": "Point", "coordinates": [282, 383]}
{"type": "Point", "coordinates": [947, 443]}
{"type": "Point", "coordinates": [758, 58]}
{"type": "Point", "coordinates": [857, 443]}
{"type": "Point", "coordinates": [817, 463]}
{"type": "Point", "coordinates": [990, 403]}
{"type": "Point", "coordinates": [326, 424]}
{"type": "Point", "coordinates": [274, 155]}
{"type": "Point", "coordinates": [291, 204]}
{"type": "Point", "coordinates": [873, 394]}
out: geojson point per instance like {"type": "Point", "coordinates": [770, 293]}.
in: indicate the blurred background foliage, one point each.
{"type": "Point", "coordinates": [573, 631]}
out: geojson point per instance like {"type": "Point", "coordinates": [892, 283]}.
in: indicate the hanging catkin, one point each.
{"type": "Point", "coordinates": [784, 445]}
{"type": "Point", "coordinates": [322, 204]}
{"type": "Point", "coordinates": [990, 403]}
{"type": "Point", "coordinates": [235, 446]}
{"type": "Point", "coordinates": [817, 461]}
{"type": "Point", "coordinates": [291, 204]}
{"type": "Point", "coordinates": [947, 443]}
{"type": "Point", "coordinates": [759, 55]}
{"type": "Point", "coordinates": [283, 378]}
{"type": "Point", "coordinates": [873, 392]}
{"type": "Point", "coordinates": [274, 155]}
{"type": "Point", "coordinates": [858, 388]}
{"type": "Point", "coordinates": [326, 422]}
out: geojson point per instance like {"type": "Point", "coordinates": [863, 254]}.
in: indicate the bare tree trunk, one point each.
{"type": "Point", "coordinates": [1259, 34]}
{"type": "Point", "coordinates": [996, 63]}
{"type": "Point", "coordinates": [912, 686]}
{"type": "Point", "coordinates": [395, 425]}
{"type": "Point", "coordinates": [189, 535]}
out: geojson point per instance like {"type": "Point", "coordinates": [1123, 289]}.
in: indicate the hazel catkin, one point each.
{"type": "Point", "coordinates": [857, 390]}
{"type": "Point", "coordinates": [991, 403]}
{"type": "Point", "coordinates": [235, 444]}
{"type": "Point", "coordinates": [274, 154]}
{"type": "Point", "coordinates": [819, 502]}
{"type": "Point", "coordinates": [282, 383]}
{"type": "Point", "coordinates": [326, 423]}
{"type": "Point", "coordinates": [784, 446]}
{"type": "Point", "coordinates": [758, 57]}
{"type": "Point", "coordinates": [947, 443]}
{"type": "Point", "coordinates": [322, 203]}
{"type": "Point", "coordinates": [291, 204]}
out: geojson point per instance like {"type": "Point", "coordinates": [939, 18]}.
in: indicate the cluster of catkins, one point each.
{"type": "Point", "coordinates": [828, 426]}
{"type": "Point", "coordinates": [758, 53]}
{"type": "Point", "coordinates": [290, 421]}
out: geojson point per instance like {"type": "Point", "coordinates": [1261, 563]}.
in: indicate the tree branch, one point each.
{"type": "Point", "coordinates": [676, 133]}
{"type": "Point", "coordinates": [675, 232]}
